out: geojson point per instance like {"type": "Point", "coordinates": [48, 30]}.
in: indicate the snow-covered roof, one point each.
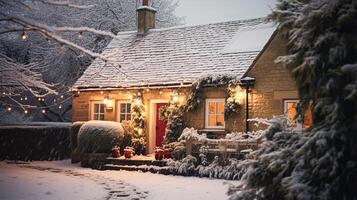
{"type": "Point", "coordinates": [172, 56]}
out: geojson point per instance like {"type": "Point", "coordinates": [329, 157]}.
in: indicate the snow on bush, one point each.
{"type": "Point", "coordinates": [191, 134]}
{"type": "Point", "coordinates": [74, 134]}
{"type": "Point", "coordinates": [99, 136]}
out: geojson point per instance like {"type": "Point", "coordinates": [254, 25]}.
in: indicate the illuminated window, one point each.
{"type": "Point", "coordinates": [290, 109]}
{"type": "Point", "coordinates": [215, 113]}
{"type": "Point", "coordinates": [124, 113]}
{"type": "Point", "coordinates": [98, 111]}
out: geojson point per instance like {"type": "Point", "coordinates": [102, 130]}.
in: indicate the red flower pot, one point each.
{"type": "Point", "coordinates": [167, 153]}
{"type": "Point", "coordinates": [128, 153]}
{"type": "Point", "coordinates": [159, 154]}
{"type": "Point", "coordinates": [115, 153]}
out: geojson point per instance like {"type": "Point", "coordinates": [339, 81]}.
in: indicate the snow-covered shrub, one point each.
{"type": "Point", "coordinates": [74, 134]}
{"type": "Point", "coordinates": [186, 166]}
{"type": "Point", "coordinates": [191, 134]}
{"type": "Point", "coordinates": [179, 151]}
{"type": "Point", "coordinates": [99, 136]}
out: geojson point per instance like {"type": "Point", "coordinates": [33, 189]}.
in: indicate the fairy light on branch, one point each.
{"type": "Point", "coordinates": [24, 36]}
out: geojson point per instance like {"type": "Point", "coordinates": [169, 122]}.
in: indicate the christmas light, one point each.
{"type": "Point", "coordinates": [24, 36]}
{"type": "Point", "coordinates": [101, 92]}
{"type": "Point", "coordinates": [80, 35]}
{"type": "Point", "coordinates": [39, 99]}
{"type": "Point", "coordinates": [9, 109]}
{"type": "Point", "coordinates": [25, 111]}
{"type": "Point", "coordinates": [60, 106]}
{"type": "Point", "coordinates": [61, 96]}
{"type": "Point", "coordinates": [21, 99]}
{"type": "Point", "coordinates": [139, 94]}
{"type": "Point", "coordinates": [25, 98]}
{"type": "Point", "coordinates": [43, 111]}
{"type": "Point", "coordinates": [147, 89]}
{"type": "Point", "coordinates": [160, 92]}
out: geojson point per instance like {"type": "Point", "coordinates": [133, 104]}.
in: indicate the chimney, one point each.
{"type": "Point", "coordinates": [146, 17]}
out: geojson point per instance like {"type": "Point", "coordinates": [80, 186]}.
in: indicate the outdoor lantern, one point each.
{"type": "Point", "coordinates": [106, 100]}
{"type": "Point", "coordinates": [247, 83]}
{"type": "Point", "coordinates": [175, 96]}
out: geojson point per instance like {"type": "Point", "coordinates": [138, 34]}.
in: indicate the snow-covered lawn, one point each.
{"type": "Point", "coordinates": [63, 180]}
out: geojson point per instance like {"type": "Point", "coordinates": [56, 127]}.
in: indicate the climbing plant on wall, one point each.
{"type": "Point", "coordinates": [174, 112]}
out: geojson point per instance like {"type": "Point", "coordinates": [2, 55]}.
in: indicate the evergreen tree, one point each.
{"type": "Point", "coordinates": [321, 162]}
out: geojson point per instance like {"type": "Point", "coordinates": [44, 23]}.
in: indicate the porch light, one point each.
{"type": "Point", "coordinates": [175, 96]}
{"type": "Point", "coordinates": [106, 100]}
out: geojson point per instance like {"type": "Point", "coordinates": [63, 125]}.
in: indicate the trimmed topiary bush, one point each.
{"type": "Point", "coordinates": [99, 136]}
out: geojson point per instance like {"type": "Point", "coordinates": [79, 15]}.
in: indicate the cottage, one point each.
{"type": "Point", "coordinates": [159, 66]}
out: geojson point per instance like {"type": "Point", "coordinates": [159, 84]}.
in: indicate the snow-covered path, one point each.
{"type": "Point", "coordinates": [62, 180]}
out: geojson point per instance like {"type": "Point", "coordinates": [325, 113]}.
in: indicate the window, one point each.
{"type": "Point", "coordinates": [124, 113]}
{"type": "Point", "coordinates": [290, 109]}
{"type": "Point", "coordinates": [215, 113]}
{"type": "Point", "coordinates": [98, 111]}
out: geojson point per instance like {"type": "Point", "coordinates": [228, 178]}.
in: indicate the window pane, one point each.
{"type": "Point", "coordinates": [291, 111]}
{"type": "Point", "coordinates": [220, 120]}
{"type": "Point", "coordinates": [101, 110]}
{"type": "Point", "coordinates": [122, 108]}
{"type": "Point", "coordinates": [122, 117]}
{"type": "Point", "coordinates": [101, 117]}
{"type": "Point", "coordinates": [220, 107]}
{"type": "Point", "coordinates": [128, 116]}
{"type": "Point", "coordinates": [96, 108]}
{"type": "Point", "coordinates": [211, 120]}
{"type": "Point", "coordinates": [211, 107]}
{"type": "Point", "coordinates": [95, 117]}
{"type": "Point", "coordinates": [128, 107]}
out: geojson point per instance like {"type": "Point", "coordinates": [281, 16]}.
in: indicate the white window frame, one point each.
{"type": "Point", "coordinates": [92, 107]}
{"type": "Point", "coordinates": [207, 112]}
{"type": "Point", "coordinates": [286, 101]}
{"type": "Point", "coordinates": [118, 112]}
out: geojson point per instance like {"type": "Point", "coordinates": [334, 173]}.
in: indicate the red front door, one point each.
{"type": "Point", "coordinates": [160, 125]}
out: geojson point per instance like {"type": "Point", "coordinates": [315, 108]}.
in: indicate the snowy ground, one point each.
{"type": "Point", "coordinates": [62, 180]}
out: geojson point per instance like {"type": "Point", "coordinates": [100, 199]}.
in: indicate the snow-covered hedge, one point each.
{"type": "Point", "coordinates": [74, 134]}
{"type": "Point", "coordinates": [99, 136]}
{"type": "Point", "coordinates": [35, 141]}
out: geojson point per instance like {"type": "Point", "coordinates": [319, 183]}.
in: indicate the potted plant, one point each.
{"type": "Point", "coordinates": [159, 153]}
{"type": "Point", "coordinates": [115, 152]}
{"type": "Point", "coordinates": [167, 153]}
{"type": "Point", "coordinates": [128, 152]}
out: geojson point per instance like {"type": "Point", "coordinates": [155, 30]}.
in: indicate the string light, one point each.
{"type": "Point", "coordinates": [101, 92]}
{"type": "Point", "coordinates": [43, 111]}
{"type": "Point", "coordinates": [9, 109]}
{"type": "Point", "coordinates": [160, 92]}
{"type": "Point", "coordinates": [80, 35]}
{"type": "Point", "coordinates": [25, 111]}
{"type": "Point", "coordinates": [147, 90]}
{"type": "Point", "coordinates": [25, 98]}
{"type": "Point", "coordinates": [60, 106]}
{"type": "Point", "coordinates": [39, 99]}
{"type": "Point", "coordinates": [24, 36]}
{"type": "Point", "coordinates": [139, 94]}
{"type": "Point", "coordinates": [61, 96]}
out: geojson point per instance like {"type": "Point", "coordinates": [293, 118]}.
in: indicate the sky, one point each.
{"type": "Point", "coordinates": [209, 11]}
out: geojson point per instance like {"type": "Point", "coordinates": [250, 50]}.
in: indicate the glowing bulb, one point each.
{"type": "Point", "coordinates": [160, 92]}
{"type": "Point", "coordinates": [101, 92]}
{"type": "Point", "coordinates": [105, 100]}
{"type": "Point", "coordinates": [25, 98]}
{"type": "Point", "coordinates": [21, 99]}
{"type": "Point", "coordinates": [61, 96]}
{"type": "Point", "coordinates": [60, 106]}
{"type": "Point", "coordinates": [126, 79]}
{"type": "Point", "coordinates": [80, 35]}
{"type": "Point", "coordinates": [9, 109]}
{"type": "Point", "coordinates": [139, 94]}
{"type": "Point", "coordinates": [24, 36]}
{"type": "Point", "coordinates": [39, 99]}
{"type": "Point", "coordinates": [25, 111]}
{"type": "Point", "coordinates": [43, 111]}
{"type": "Point", "coordinates": [147, 90]}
